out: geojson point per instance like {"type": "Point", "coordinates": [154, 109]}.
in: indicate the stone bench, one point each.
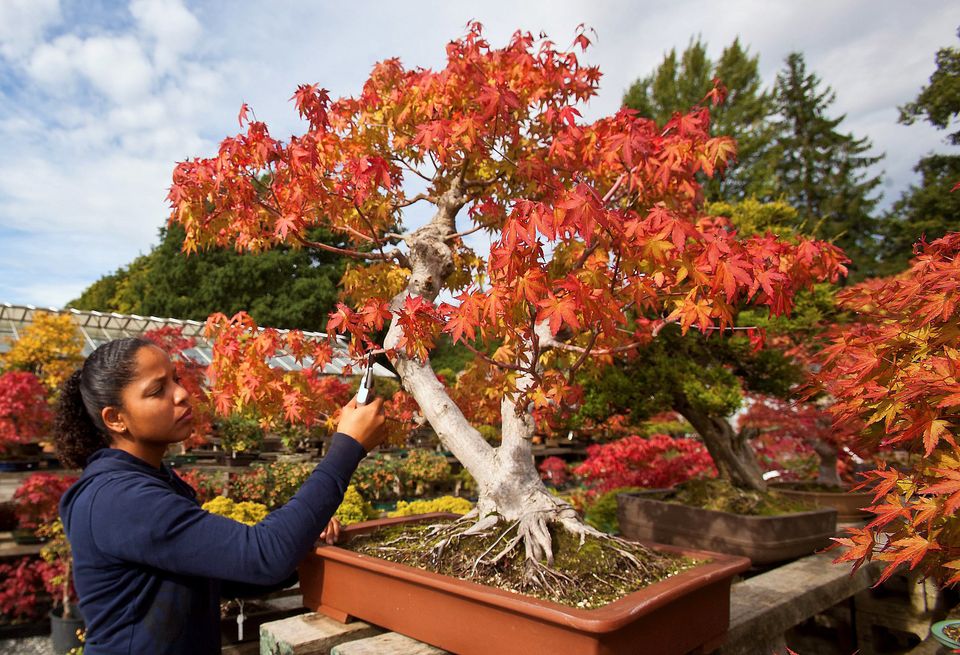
{"type": "Point", "coordinates": [765, 606]}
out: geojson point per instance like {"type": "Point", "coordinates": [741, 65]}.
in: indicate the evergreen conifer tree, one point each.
{"type": "Point", "coordinates": [931, 208]}
{"type": "Point", "coordinates": [677, 85]}
{"type": "Point", "coordinates": [821, 171]}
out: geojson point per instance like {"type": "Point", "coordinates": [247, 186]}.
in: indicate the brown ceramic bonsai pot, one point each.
{"type": "Point", "coordinates": [764, 539]}
{"type": "Point", "coordinates": [848, 504]}
{"type": "Point", "coordinates": [687, 612]}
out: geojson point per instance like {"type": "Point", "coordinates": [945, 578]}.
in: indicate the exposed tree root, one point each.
{"type": "Point", "coordinates": [522, 553]}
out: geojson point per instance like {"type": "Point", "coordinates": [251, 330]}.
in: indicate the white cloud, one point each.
{"type": "Point", "coordinates": [170, 26]}
{"type": "Point", "coordinates": [115, 66]}
{"type": "Point", "coordinates": [104, 105]}
{"type": "Point", "coordinates": [23, 22]}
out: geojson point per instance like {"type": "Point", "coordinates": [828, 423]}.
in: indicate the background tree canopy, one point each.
{"type": "Point", "coordinates": [930, 208]}
{"type": "Point", "coordinates": [789, 148]}
{"type": "Point", "coordinates": [283, 287]}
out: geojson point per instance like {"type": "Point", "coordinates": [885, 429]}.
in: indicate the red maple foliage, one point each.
{"type": "Point", "coordinates": [658, 461]}
{"type": "Point", "coordinates": [896, 368]}
{"type": "Point", "coordinates": [554, 471]}
{"type": "Point", "coordinates": [25, 414]}
{"type": "Point", "coordinates": [35, 500]}
{"type": "Point", "coordinates": [598, 238]}
{"type": "Point", "coordinates": [797, 430]}
{"type": "Point", "coordinates": [22, 594]}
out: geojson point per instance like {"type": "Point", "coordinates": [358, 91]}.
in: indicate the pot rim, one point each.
{"type": "Point", "coordinates": [602, 619]}
{"type": "Point", "coordinates": [639, 495]}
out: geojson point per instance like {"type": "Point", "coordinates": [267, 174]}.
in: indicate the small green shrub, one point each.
{"type": "Point", "coordinates": [602, 513]}
{"type": "Point", "coordinates": [239, 433]}
{"type": "Point", "coordinates": [422, 467]}
{"type": "Point", "coordinates": [354, 508]}
{"type": "Point", "coordinates": [379, 478]}
{"type": "Point", "coordinates": [246, 512]}
{"type": "Point", "coordinates": [442, 504]}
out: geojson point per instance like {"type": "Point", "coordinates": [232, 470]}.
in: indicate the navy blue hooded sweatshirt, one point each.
{"type": "Point", "coordinates": [150, 565]}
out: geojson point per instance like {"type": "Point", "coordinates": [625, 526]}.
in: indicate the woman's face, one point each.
{"type": "Point", "coordinates": [155, 407]}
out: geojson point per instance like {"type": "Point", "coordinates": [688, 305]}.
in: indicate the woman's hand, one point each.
{"type": "Point", "coordinates": [363, 422]}
{"type": "Point", "coordinates": [331, 533]}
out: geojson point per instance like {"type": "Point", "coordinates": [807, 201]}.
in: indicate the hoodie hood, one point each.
{"type": "Point", "coordinates": [113, 461]}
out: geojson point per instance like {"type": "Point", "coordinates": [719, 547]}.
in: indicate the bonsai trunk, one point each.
{"type": "Point", "coordinates": [827, 453]}
{"type": "Point", "coordinates": [729, 449]}
{"type": "Point", "coordinates": [510, 488]}
{"type": "Point", "coordinates": [67, 605]}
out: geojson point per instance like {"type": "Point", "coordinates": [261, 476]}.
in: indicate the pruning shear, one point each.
{"type": "Point", "coordinates": [365, 392]}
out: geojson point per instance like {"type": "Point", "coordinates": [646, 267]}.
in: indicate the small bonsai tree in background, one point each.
{"type": "Point", "coordinates": [36, 500]}
{"type": "Point", "coordinates": [656, 462]}
{"type": "Point", "coordinates": [598, 236]}
{"type": "Point", "coordinates": [50, 348]}
{"type": "Point", "coordinates": [58, 572]}
{"type": "Point", "coordinates": [896, 369]}
{"type": "Point", "coordinates": [22, 596]}
{"type": "Point", "coordinates": [239, 434]}
{"type": "Point", "coordinates": [788, 429]}
{"type": "Point", "coordinates": [25, 414]}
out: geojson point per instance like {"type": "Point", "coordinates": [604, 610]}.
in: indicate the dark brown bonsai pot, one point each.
{"type": "Point", "coordinates": [764, 539]}
{"type": "Point", "coordinates": [687, 612]}
{"type": "Point", "coordinates": [849, 504]}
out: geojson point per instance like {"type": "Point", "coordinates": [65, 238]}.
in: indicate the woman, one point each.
{"type": "Point", "coordinates": [150, 566]}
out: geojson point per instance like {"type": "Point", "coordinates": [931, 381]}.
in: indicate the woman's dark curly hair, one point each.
{"type": "Point", "coordinates": [79, 430]}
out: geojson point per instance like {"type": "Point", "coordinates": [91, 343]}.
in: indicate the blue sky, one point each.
{"type": "Point", "coordinates": [99, 100]}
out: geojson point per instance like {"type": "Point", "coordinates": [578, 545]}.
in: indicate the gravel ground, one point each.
{"type": "Point", "coordinates": [28, 646]}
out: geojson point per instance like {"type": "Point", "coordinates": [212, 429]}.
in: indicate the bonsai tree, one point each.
{"type": "Point", "coordinates": [36, 500]}
{"type": "Point", "coordinates": [239, 434]}
{"type": "Point", "coordinates": [58, 573]}
{"type": "Point", "coordinates": [896, 368]}
{"type": "Point", "coordinates": [22, 595]}
{"type": "Point", "coordinates": [50, 348]}
{"type": "Point", "coordinates": [598, 241]}
{"type": "Point", "coordinates": [807, 427]}
{"type": "Point", "coordinates": [25, 414]}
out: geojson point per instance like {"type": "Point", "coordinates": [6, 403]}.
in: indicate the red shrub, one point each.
{"type": "Point", "coordinates": [25, 415]}
{"type": "Point", "coordinates": [36, 500]}
{"type": "Point", "coordinates": [553, 470]}
{"type": "Point", "coordinates": [207, 485]}
{"type": "Point", "coordinates": [658, 461]}
{"type": "Point", "coordinates": [22, 592]}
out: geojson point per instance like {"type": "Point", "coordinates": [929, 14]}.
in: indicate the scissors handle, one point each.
{"type": "Point", "coordinates": [365, 392]}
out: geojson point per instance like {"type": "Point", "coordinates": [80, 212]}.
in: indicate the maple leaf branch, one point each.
{"type": "Point", "coordinates": [356, 254]}
{"type": "Point", "coordinates": [417, 198]}
{"type": "Point", "coordinates": [479, 184]}
{"type": "Point", "coordinates": [460, 235]}
{"type": "Point", "coordinates": [370, 227]}
{"type": "Point", "coordinates": [559, 345]}
{"type": "Point", "coordinates": [490, 360]}
{"type": "Point", "coordinates": [583, 357]}
{"type": "Point", "coordinates": [410, 168]}
{"type": "Point", "coordinates": [357, 233]}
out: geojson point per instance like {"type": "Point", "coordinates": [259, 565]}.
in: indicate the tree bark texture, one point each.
{"type": "Point", "coordinates": [730, 450]}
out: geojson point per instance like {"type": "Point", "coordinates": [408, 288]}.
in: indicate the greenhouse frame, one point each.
{"type": "Point", "coordinates": [97, 328]}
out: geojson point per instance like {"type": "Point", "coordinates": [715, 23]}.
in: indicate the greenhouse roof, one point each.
{"type": "Point", "coordinates": [99, 327]}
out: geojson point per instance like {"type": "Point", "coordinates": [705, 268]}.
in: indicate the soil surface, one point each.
{"type": "Point", "coordinates": [584, 576]}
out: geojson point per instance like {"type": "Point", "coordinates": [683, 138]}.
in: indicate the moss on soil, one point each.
{"type": "Point", "coordinates": [597, 574]}
{"type": "Point", "coordinates": [721, 496]}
